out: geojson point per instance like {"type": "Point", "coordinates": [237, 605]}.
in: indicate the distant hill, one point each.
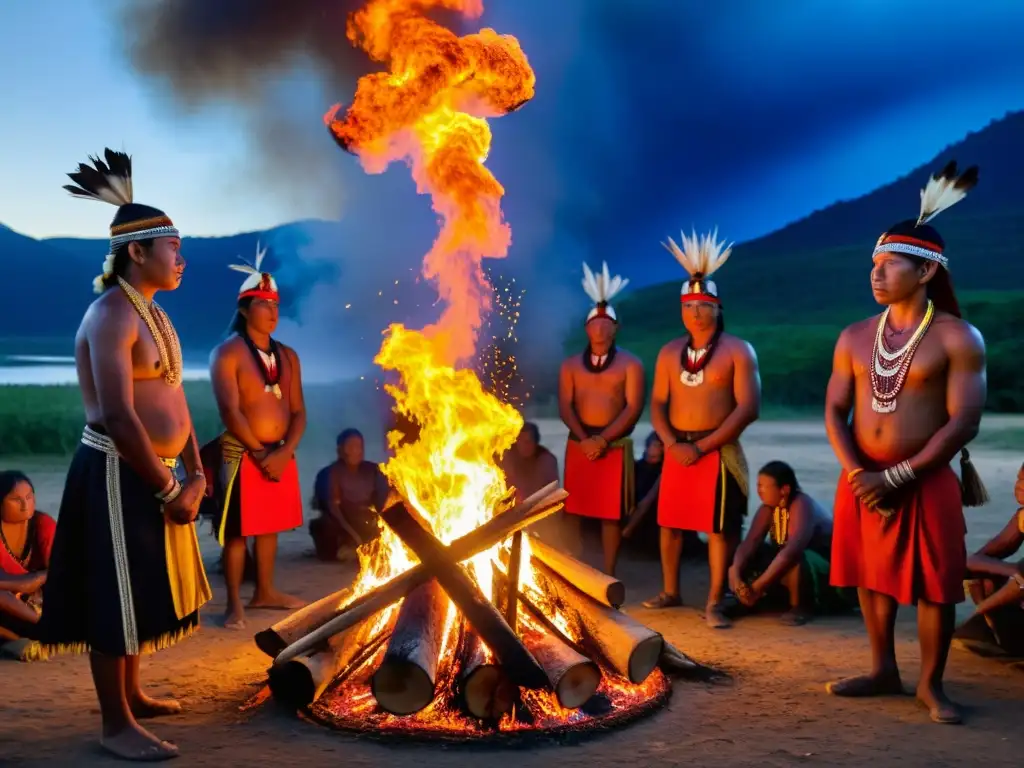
{"type": "Point", "coordinates": [822, 261]}
{"type": "Point", "coordinates": [806, 269]}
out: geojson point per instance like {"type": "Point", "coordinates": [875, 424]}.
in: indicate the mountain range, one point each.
{"type": "Point", "coordinates": [809, 266]}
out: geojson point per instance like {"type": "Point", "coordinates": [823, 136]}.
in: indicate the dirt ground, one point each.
{"type": "Point", "coordinates": [774, 712]}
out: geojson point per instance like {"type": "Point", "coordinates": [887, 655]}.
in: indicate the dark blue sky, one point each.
{"type": "Point", "coordinates": [650, 115]}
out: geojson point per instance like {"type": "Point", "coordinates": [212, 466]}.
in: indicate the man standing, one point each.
{"type": "Point", "coordinates": [600, 399]}
{"type": "Point", "coordinates": [707, 390]}
{"type": "Point", "coordinates": [125, 574]}
{"type": "Point", "coordinates": [914, 379]}
{"type": "Point", "coordinates": [258, 385]}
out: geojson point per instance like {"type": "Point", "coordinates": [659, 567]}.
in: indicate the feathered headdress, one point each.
{"type": "Point", "coordinates": [701, 257]}
{"type": "Point", "coordinates": [111, 182]}
{"type": "Point", "coordinates": [602, 288]}
{"type": "Point", "coordinates": [258, 284]}
{"type": "Point", "coordinates": [915, 238]}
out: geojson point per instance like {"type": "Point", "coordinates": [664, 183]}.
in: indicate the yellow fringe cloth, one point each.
{"type": "Point", "coordinates": [735, 461]}
{"type": "Point", "coordinates": [41, 652]}
{"type": "Point", "coordinates": [231, 451]}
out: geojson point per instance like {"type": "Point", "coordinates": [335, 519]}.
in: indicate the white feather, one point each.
{"type": "Point", "coordinates": [702, 255]}
{"type": "Point", "coordinates": [260, 253]}
{"type": "Point", "coordinates": [941, 192]}
{"type": "Point", "coordinates": [245, 269]}
{"type": "Point", "coordinates": [602, 287]}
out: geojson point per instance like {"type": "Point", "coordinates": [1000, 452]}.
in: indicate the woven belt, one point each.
{"type": "Point", "coordinates": [104, 444]}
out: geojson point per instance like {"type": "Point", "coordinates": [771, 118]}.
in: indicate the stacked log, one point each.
{"type": "Point", "coordinates": [498, 651]}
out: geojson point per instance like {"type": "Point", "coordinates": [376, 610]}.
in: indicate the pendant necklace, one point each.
{"type": "Point", "coordinates": [889, 368]}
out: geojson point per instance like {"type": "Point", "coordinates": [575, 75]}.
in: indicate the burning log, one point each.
{"type": "Point", "coordinates": [302, 680]}
{"type": "Point", "coordinates": [573, 677]}
{"type": "Point", "coordinates": [600, 586]}
{"type": "Point", "coordinates": [545, 502]}
{"type": "Point", "coordinates": [484, 688]}
{"type": "Point", "coordinates": [481, 614]}
{"type": "Point", "coordinates": [512, 583]}
{"type": "Point", "coordinates": [276, 638]}
{"type": "Point", "coordinates": [629, 647]}
{"type": "Point", "coordinates": [404, 682]}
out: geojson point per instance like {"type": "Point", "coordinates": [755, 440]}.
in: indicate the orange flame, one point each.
{"type": "Point", "coordinates": [429, 110]}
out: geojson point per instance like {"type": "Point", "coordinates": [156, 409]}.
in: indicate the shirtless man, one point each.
{"type": "Point", "coordinates": [258, 385]}
{"type": "Point", "coordinates": [528, 467]}
{"type": "Point", "coordinates": [600, 399]}
{"type": "Point", "coordinates": [707, 390]}
{"type": "Point", "coordinates": [126, 517]}
{"type": "Point", "coordinates": [914, 378]}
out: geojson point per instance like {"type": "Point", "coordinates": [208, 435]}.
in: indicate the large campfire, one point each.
{"type": "Point", "coordinates": [459, 622]}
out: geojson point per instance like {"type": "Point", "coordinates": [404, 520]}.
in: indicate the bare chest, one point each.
{"type": "Point", "coordinates": [609, 382]}
{"type": "Point", "coordinates": [147, 362]}
{"type": "Point", "coordinates": [922, 368]}
{"type": "Point", "coordinates": [263, 377]}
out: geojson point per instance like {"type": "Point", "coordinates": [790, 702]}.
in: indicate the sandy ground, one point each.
{"type": "Point", "coordinates": [775, 712]}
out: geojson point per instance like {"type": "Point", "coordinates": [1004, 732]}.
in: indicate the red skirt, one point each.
{"type": "Point", "coordinates": [268, 506]}
{"type": "Point", "coordinates": [918, 554]}
{"type": "Point", "coordinates": [702, 497]}
{"type": "Point", "coordinates": [596, 488]}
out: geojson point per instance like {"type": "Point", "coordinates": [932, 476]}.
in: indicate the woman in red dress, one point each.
{"type": "Point", "coordinates": [26, 537]}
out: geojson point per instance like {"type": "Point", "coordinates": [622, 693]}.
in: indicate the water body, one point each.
{"type": "Point", "coordinates": [59, 370]}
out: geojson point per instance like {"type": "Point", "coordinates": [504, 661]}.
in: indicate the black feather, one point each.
{"type": "Point", "coordinates": [968, 179]}
{"type": "Point", "coordinates": [79, 192]}
{"type": "Point", "coordinates": [949, 172]}
{"type": "Point", "coordinates": [93, 180]}
{"type": "Point", "coordinates": [120, 163]}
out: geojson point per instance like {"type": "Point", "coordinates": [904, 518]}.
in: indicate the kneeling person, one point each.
{"type": "Point", "coordinates": [794, 561]}
{"type": "Point", "coordinates": [258, 385]}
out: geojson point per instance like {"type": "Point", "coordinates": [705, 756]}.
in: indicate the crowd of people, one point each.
{"type": "Point", "coordinates": [119, 573]}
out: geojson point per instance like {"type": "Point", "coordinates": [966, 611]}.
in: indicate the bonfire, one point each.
{"type": "Point", "coordinates": [458, 622]}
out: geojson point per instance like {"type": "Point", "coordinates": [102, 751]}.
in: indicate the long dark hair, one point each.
{"type": "Point", "coordinates": [238, 322]}
{"type": "Point", "coordinates": [10, 478]}
{"type": "Point", "coordinates": [782, 474]}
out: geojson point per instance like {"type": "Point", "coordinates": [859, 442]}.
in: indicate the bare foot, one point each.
{"type": "Point", "coordinates": [276, 601]}
{"type": "Point", "coordinates": [715, 618]}
{"type": "Point", "coordinates": [885, 684]}
{"type": "Point", "coordinates": [145, 707]}
{"type": "Point", "coordinates": [663, 600]}
{"type": "Point", "coordinates": [234, 617]}
{"type": "Point", "coordinates": [940, 709]}
{"type": "Point", "coordinates": [135, 743]}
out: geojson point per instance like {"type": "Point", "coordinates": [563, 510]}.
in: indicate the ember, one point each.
{"type": "Point", "coordinates": [458, 623]}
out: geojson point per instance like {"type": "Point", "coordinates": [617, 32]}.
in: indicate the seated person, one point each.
{"type": "Point", "coordinates": [528, 467]}
{"type": "Point", "coordinates": [794, 563]}
{"type": "Point", "coordinates": [349, 493]}
{"type": "Point", "coordinates": [641, 527]}
{"type": "Point", "coordinates": [996, 585]}
{"type": "Point", "coordinates": [26, 538]}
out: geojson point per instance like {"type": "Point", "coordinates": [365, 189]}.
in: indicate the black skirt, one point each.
{"type": "Point", "coordinates": [107, 588]}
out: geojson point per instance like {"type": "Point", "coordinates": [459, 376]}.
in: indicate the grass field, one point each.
{"type": "Point", "coordinates": [48, 420]}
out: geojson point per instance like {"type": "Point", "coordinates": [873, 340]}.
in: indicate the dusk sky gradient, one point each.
{"type": "Point", "coordinates": [667, 113]}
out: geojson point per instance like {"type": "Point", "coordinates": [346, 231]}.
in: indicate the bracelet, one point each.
{"type": "Point", "coordinates": [166, 497]}
{"type": "Point", "coordinates": [899, 475]}
{"type": "Point", "coordinates": [1020, 581]}
{"type": "Point", "coordinates": [199, 474]}
{"type": "Point", "coordinates": [168, 487]}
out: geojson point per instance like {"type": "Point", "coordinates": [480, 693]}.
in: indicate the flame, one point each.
{"type": "Point", "coordinates": [430, 110]}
